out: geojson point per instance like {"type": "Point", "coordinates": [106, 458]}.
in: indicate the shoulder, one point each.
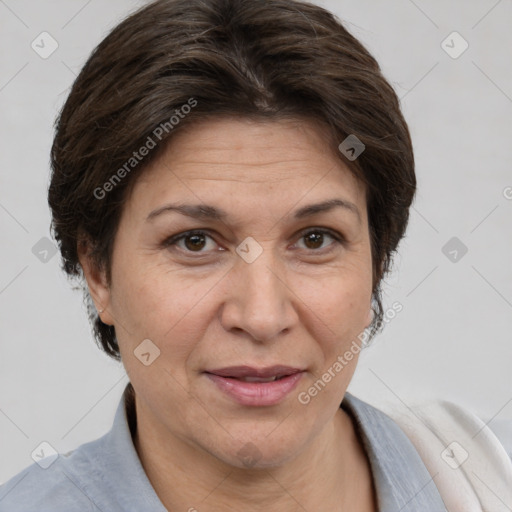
{"type": "Point", "coordinates": [401, 478]}
{"type": "Point", "coordinates": [55, 484]}
{"type": "Point", "coordinates": [451, 423]}
{"type": "Point", "coordinates": [503, 431]}
{"type": "Point", "coordinates": [444, 420]}
{"type": "Point", "coordinates": [105, 474]}
{"type": "Point", "coordinates": [467, 460]}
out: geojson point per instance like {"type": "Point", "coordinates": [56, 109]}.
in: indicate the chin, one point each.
{"type": "Point", "coordinates": [257, 452]}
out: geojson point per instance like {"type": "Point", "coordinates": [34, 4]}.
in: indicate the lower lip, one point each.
{"type": "Point", "coordinates": [257, 393]}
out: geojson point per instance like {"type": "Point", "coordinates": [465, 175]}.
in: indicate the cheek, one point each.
{"type": "Point", "coordinates": [341, 300]}
{"type": "Point", "coordinates": [170, 310]}
{"type": "Point", "coordinates": [339, 308]}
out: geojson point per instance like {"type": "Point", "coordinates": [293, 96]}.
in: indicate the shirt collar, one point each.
{"type": "Point", "coordinates": [401, 480]}
{"type": "Point", "coordinates": [122, 473]}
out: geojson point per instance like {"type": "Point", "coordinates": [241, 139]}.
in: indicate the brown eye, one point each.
{"type": "Point", "coordinates": [315, 238]}
{"type": "Point", "coordinates": [194, 242]}
{"type": "Point", "coordinates": [197, 241]}
{"type": "Point", "coordinates": [190, 241]}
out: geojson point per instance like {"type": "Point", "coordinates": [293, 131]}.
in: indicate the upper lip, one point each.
{"type": "Point", "coordinates": [248, 371]}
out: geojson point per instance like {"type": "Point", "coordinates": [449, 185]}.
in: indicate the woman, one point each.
{"type": "Point", "coordinates": [232, 178]}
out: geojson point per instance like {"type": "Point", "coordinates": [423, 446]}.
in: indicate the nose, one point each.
{"type": "Point", "coordinates": [259, 299]}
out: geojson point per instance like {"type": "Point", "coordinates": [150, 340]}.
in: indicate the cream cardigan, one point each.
{"type": "Point", "coordinates": [467, 462]}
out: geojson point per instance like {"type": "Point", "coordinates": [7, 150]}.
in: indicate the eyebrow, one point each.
{"type": "Point", "coordinates": [205, 211]}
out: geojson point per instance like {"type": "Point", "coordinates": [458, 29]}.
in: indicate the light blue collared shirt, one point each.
{"type": "Point", "coordinates": [106, 475]}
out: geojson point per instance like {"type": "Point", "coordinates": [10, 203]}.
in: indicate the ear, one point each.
{"type": "Point", "coordinates": [369, 319]}
{"type": "Point", "coordinates": [96, 282]}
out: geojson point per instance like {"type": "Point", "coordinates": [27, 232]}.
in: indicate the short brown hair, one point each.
{"type": "Point", "coordinates": [261, 59]}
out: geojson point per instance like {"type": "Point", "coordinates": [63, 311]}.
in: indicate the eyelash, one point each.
{"type": "Point", "coordinates": [173, 240]}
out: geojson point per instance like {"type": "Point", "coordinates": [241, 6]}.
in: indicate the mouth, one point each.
{"type": "Point", "coordinates": [250, 374]}
{"type": "Point", "coordinates": [256, 386]}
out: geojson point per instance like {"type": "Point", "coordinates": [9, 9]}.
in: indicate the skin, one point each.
{"type": "Point", "coordinates": [301, 303]}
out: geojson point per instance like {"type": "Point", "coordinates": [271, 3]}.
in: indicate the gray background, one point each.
{"type": "Point", "coordinates": [452, 340]}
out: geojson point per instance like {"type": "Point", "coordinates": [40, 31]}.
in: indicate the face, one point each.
{"type": "Point", "coordinates": [258, 283]}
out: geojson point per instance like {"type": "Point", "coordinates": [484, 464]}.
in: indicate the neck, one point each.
{"type": "Point", "coordinates": [186, 477]}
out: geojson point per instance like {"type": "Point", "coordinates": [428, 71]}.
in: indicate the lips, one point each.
{"type": "Point", "coordinates": [256, 386]}
{"type": "Point", "coordinates": [249, 374]}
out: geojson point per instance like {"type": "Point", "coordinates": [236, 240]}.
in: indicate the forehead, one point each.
{"type": "Point", "coordinates": [248, 142]}
{"type": "Point", "coordinates": [263, 159]}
